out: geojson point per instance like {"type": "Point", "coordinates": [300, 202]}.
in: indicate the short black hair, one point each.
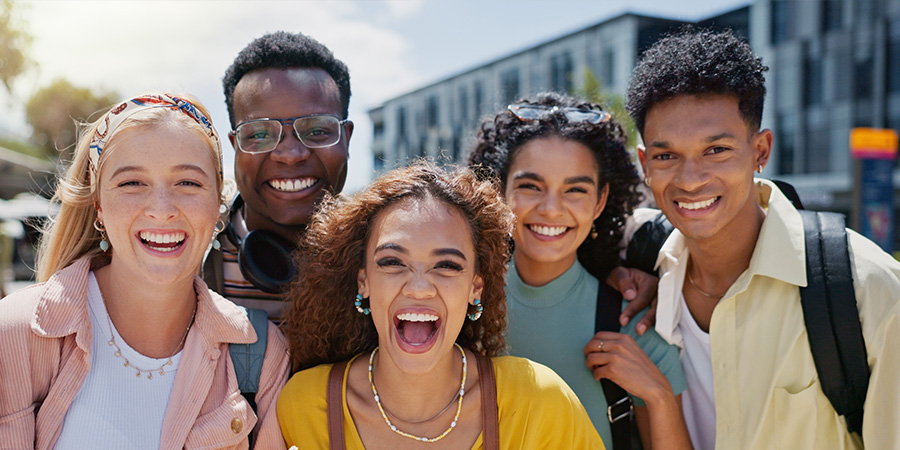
{"type": "Point", "coordinates": [501, 136]}
{"type": "Point", "coordinates": [698, 62]}
{"type": "Point", "coordinates": [283, 50]}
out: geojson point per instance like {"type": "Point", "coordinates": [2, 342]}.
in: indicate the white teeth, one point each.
{"type": "Point", "coordinates": [160, 238]}
{"type": "Point", "coordinates": [413, 317]}
{"type": "Point", "coordinates": [697, 205]}
{"type": "Point", "coordinates": [548, 231]}
{"type": "Point", "coordinates": [292, 185]}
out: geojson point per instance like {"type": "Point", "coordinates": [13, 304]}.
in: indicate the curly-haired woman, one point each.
{"type": "Point", "coordinates": [567, 176]}
{"type": "Point", "coordinates": [397, 321]}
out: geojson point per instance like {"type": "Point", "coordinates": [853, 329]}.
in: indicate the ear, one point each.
{"type": "Point", "coordinates": [601, 200]}
{"type": "Point", "coordinates": [362, 286]}
{"type": "Point", "coordinates": [348, 130]}
{"type": "Point", "coordinates": [477, 289]}
{"type": "Point", "coordinates": [642, 155]}
{"type": "Point", "coordinates": [762, 143]}
{"type": "Point", "coordinates": [99, 212]}
{"type": "Point", "coordinates": [233, 145]}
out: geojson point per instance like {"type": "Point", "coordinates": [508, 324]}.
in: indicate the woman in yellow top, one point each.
{"type": "Point", "coordinates": [406, 281]}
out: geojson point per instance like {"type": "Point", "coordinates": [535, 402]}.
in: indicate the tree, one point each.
{"type": "Point", "coordinates": [14, 42]}
{"type": "Point", "coordinates": [54, 111]}
{"type": "Point", "coordinates": [612, 103]}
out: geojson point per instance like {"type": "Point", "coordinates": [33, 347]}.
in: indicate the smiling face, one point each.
{"type": "Point", "coordinates": [280, 188]}
{"type": "Point", "coordinates": [420, 278]}
{"type": "Point", "coordinates": [553, 189]}
{"type": "Point", "coordinates": [158, 200]}
{"type": "Point", "coordinates": [700, 158]}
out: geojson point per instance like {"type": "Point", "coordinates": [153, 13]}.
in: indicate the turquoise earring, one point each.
{"type": "Point", "coordinates": [479, 308]}
{"type": "Point", "coordinates": [359, 307]}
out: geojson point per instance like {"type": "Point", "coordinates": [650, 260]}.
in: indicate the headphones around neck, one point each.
{"type": "Point", "coordinates": [265, 258]}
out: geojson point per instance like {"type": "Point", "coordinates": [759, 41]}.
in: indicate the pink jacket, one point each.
{"type": "Point", "coordinates": [45, 341]}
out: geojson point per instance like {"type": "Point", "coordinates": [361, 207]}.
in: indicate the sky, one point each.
{"type": "Point", "coordinates": [390, 46]}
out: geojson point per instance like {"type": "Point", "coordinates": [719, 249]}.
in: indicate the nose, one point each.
{"type": "Point", "coordinates": [419, 286]}
{"type": "Point", "coordinates": [551, 205]}
{"type": "Point", "coordinates": [692, 175]}
{"type": "Point", "coordinates": [162, 205]}
{"type": "Point", "coordinates": [290, 150]}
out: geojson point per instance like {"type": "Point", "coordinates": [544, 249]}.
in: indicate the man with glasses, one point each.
{"type": "Point", "coordinates": [288, 99]}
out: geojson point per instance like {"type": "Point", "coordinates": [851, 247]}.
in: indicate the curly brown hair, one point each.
{"type": "Point", "coordinates": [501, 136]}
{"type": "Point", "coordinates": [324, 327]}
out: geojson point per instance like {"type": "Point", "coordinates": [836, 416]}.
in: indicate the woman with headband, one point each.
{"type": "Point", "coordinates": [120, 344]}
{"type": "Point", "coordinates": [567, 176]}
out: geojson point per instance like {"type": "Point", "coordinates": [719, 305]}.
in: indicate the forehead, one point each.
{"type": "Point", "coordinates": [694, 117]}
{"type": "Point", "coordinates": [283, 93]}
{"type": "Point", "coordinates": [160, 146]}
{"type": "Point", "coordinates": [421, 224]}
{"type": "Point", "coordinates": [554, 157]}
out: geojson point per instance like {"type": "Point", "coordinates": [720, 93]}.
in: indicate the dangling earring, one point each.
{"type": "Point", "coordinates": [98, 225]}
{"type": "Point", "coordinates": [647, 181]}
{"type": "Point", "coordinates": [594, 233]}
{"type": "Point", "coordinates": [358, 304]}
{"type": "Point", "coordinates": [479, 308]}
{"type": "Point", "coordinates": [215, 237]}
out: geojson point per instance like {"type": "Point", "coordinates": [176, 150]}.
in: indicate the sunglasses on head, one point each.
{"type": "Point", "coordinates": [537, 112]}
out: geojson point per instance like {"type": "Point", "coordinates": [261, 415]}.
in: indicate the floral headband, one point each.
{"type": "Point", "coordinates": [117, 115]}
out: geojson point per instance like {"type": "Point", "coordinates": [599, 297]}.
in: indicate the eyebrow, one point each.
{"type": "Point", "coordinates": [666, 145]}
{"type": "Point", "coordinates": [571, 180]}
{"type": "Point", "coordinates": [178, 168]}
{"type": "Point", "coordinates": [436, 252]}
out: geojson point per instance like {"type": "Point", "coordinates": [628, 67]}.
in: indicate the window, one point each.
{"type": "Point", "coordinates": [842, 75]}
{"type": "Point", "coordinates": [818, 156]}
{"type": "Point", "coordinates": [432, 111]}
{"type": "Point", "coordinates": [862, 79]}
{"type": "Point", "coordinates": [561, 72]}
{"type": "Point", "coordinates": [608, 68]}
{"type": "Point", "coordinates": [785, 149]}
{"type": "Point", "coordinates": [893, 60]}
{"type": "Point", "coordinates": [479, 98]}
{"type": "Point", "coordinates": [463, 104]}
{"type": "Point", "coordinates": [782, 20]}
{"type": "Point", "coordinates": [832, 14]}
{"type": "Point", "coordinates": [509, 85]}
{"type": "Point", "coordinates": [812, 81]}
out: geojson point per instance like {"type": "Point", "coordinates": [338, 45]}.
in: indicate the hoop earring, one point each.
{"type": "Point", "coordinates": [479, 308]}
{"type": "Point", "coordinates": [759, 168]}
{"type": "Point", "coordinates": [594, 233]}
{"type": "Point", "coordinates": [647, 181]}
{"type": "Point", "coordinates": [215, 237]}
{"type": "Point", "coordinates": [358, 304]}
{"type": "Point", "coordinates": [98, 225]}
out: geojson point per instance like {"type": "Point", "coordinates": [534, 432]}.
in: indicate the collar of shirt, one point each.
{"type": "Point", "coordinates": [784, 259]}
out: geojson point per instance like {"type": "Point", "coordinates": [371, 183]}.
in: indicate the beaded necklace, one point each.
{"type": "Point", "coordinates": [462, 393]}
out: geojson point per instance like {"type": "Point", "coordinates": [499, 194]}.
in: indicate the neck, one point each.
{"type": "Point", "coordinates": [290, 232]}
{"type": "Point", "coordinates": [539, 273]}
{"type": "Point", "coordinates": [717, 262]}
{"type": "Point", "coordinates": [418, 397]}
{"type": "Point", "coordinates": [151, 318]}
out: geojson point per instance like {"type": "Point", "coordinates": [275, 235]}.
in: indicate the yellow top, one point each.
{"type": "Point", "coordinates": [536, 409]}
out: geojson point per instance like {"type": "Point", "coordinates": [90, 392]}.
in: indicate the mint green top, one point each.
{"type": "Point", "coordinates": [551, 325]}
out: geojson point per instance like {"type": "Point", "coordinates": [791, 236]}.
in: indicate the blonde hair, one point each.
{"type": "Point", "coordinates": [71, 234]}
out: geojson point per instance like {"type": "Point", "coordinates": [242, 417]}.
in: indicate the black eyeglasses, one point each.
{"type": "Point", "coordinates": [263, 135]}
{"type": "Point", "coordinates": [536, 112]}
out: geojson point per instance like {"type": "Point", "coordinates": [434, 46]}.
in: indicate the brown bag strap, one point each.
{"type": "Point", "coordinates": [335, 406]}
{"type": "Point", "coordinates": [491, 438]}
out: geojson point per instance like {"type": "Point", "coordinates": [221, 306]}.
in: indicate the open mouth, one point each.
{"type": "Point", "coordinates": [162, 242]}
{"type": "Point", "coordinates": [547, 230]}
{"type": "Point", "coordinates": [698, 205]}
{"type": "Point", "coordinates": [292, 184]}
{"type": "Point", "coordinates": [417, 329]}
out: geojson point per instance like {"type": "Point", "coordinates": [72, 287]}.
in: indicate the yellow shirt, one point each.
{"type": "Point", "coordinates": [536, 410]}
{"type": "Point", "coordinates": [767, 391]}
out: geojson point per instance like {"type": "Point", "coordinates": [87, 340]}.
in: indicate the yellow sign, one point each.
{"type": "Point", "coordinates": [873, 143]}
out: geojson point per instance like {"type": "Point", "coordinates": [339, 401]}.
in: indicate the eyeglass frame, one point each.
{"type": "Point", "coordinates": [289, 121]}
{"type": "Point", "coordinates": [604, 116]}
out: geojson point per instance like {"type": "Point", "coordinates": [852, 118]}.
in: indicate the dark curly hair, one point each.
{"type": "Point", "coordinates": [698, 62]}
{"type": "Point", "coordinates": [283, 50]}
{"type": "Point", "coordinates": [503, 135]}
{"type": "Point", "coordinates": [324, 327]}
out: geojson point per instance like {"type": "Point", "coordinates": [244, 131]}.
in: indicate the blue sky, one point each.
{"type": "Point", "coordinates": [390, 46]}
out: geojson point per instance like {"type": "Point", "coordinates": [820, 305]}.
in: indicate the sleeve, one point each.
{"type": "Point", "coordinates": [302, 409]}
{"type": "Point", "coordinates": [664, 355]}
{"type": "Point", "coordinates": [538, 409]}
{"type": "Point", "coordinates": [271, 380]}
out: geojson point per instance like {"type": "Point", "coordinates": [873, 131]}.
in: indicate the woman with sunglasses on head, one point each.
{"type": "Point", "coordinates": [567, 176]}
{"type": "Point", "coordinates": [121, 344]}
{"type": "Point", "coordinates": [397, 319]}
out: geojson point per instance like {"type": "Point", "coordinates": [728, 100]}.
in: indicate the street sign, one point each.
{"type": "Point", "coordinates": [876, 149]}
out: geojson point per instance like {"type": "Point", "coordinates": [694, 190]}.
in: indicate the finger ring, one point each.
{"type": "Point", "coordinates": [600, 347]}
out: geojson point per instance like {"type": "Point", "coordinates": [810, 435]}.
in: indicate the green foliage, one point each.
{"type": "Point", "coordinates": [53, 112]}
{"type": "Point", "coordinates": [22, 147]}
{"type": "Point", "coordinates": [14, 43]}
{"type": "Point", "coordinates": [613, 103]}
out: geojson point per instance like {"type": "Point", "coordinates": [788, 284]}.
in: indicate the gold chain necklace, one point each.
{"type": "Point", "coordinates": [161, 369]}
{"type": "Point", "coordinates": [691, 280]}
{"type": "Point", "coordinates": [462, 393]}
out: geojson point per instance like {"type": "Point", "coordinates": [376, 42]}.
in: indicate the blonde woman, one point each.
{"type": "Point", "coordinates": [120, 344]}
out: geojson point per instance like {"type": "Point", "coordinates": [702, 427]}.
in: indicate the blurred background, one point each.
{"type": "Point", "coordinates": [424, 74]}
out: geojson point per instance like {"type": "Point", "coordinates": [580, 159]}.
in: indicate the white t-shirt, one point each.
{"type": "Point", "coordinates": [115, 408]}
{"type": "Point", "coordinates": [698, 401]}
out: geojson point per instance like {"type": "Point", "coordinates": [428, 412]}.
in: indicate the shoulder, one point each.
{"type": "Point", "coordinates": [525, 380]}
{"type": "Point", "coordinates": [876, 280]}
{"type": "Point", "coordinates": [302, 406]}
{"type": "Point", "coordinates": [17, 311]}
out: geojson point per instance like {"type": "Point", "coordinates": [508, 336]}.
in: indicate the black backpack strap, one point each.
{"type": "Point", "coordinates": [643, 249]}
{"type": "Point", "coordinates": [247, 359]}
{"type": "Point", "coordinates": [832, 318]}
{"type": "Point", "coordinates": [619, 405]}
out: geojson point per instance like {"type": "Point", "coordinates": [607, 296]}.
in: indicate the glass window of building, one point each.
{"type": "Point", "coordinates": [782, 16]}
{"type": "Point", "coordinates": [607, 68]}
{"type": "Point", "coordinates": [841, 82]}
{"type": "Point", "coordinates": [432, 111]}
{"type": "Point", "coordinates": [812, 81]}
{"type": "Point", "coordinates": [832, 14]}
{"type": "Point", "coordinates": [893, 60]}
{"type": "Point", "coordinates": [785, 136]}
{"type": "Point", "coordinates": [561, 69]}
{"type": "Point", "coordinates": [862, 78]}
{"type": "Point", "coordinates": [818, 156]}
{"type": "Point", "coordinates": [463, 104]}
{"type": "Point", "coordinates": [478, 100]}
{"type": "Point", "coordinates": [509, 85]}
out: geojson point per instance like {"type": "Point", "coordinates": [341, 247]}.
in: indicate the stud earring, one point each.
{"type": "Point", "coordinates": [359, 307]}
{"type": "Point", "coordinates": [594, 233]}
{"type": "Point", "coordinates": [479, 308]}
{"type": "Point", "coordinates": [98, 225]}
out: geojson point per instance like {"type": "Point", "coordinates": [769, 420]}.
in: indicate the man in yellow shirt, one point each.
{"type": "Point", "coordinates": [730, 273]}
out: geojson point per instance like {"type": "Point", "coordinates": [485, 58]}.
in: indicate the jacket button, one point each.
{"type": "Point", "coordinates": [236, 425]}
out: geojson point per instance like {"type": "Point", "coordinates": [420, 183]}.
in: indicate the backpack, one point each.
{"type": "Point", "coordinates": [247, 359]}
{"type": "Point", "coordinates": [828, 301]}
